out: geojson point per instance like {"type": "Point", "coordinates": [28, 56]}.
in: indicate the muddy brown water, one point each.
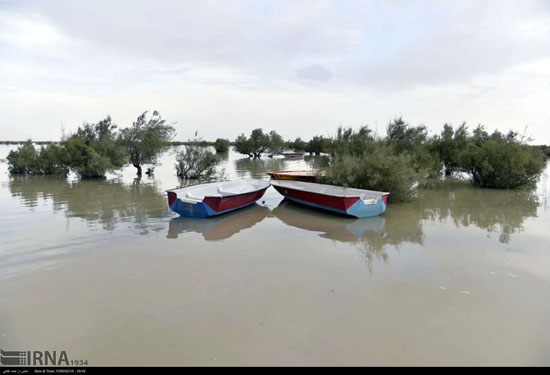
{"type": "Point", "coordinates": [105, 271]}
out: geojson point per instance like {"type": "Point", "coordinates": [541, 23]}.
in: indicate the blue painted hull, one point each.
{"type": "Point", "coordinates": [359, 209]}
{"type": "Point", "coordinates": [200, 209]}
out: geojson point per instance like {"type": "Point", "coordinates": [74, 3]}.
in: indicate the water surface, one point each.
{"type": "Point", "coordinates": [104, 270]}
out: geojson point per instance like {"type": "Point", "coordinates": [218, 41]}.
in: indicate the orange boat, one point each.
{"type": "Point", "coordinates": [307, 175]}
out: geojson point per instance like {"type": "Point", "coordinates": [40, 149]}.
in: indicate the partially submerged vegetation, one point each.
{"type": "Point", "coordinates": [146, 139]}
{"type": "Point", "coordinates": [406, 156]}
{"type": "Point", "coordinates": [391, 164]}
{"type": "Point", "coordinates": [50, 159]}
{"type": "Point", "coordinates": [222, 145]}
{"type": "Point", "coordinates": [259, 143]}
{"type": "Point", "coordinates": [396, 162]}
{"type": "Point", "coordinates": [196, 162]}
{"type": "Point", "coordinates": [95, 149]}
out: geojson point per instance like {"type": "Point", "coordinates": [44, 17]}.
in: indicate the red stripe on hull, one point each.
{"type": "Point", "coordinates": [341, 203]}
{"type": "Point", "coordinates": [219, 204]}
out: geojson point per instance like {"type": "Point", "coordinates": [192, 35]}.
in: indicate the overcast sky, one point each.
{"type": "Point", "coordinates": [299, 67]}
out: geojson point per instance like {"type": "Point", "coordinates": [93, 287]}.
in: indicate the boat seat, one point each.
{"type": "Point", "coordinates": [223, 191]}
{"type": "Point", "coordinates": [189, 195]}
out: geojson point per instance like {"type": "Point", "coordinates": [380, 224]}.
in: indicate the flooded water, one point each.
{"type": "Point", "coordinates": [105, 271]}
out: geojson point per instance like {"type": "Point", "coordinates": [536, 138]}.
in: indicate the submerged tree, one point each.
{"type": "Point", "coordinates": [48, 160]}
{"type": "Point", "coordinates": [449, 144]}
{"type": "Point", "coordinates": [255, 146]}
{"type": "Point", "coordinates": [196, 162]}
{"type": "Point", "coordinates": [23, 160]}
{"type": "Point", "coordinates": [93, 149]}
{"type": "Point", "coordinates": [317, 145]}
{"type": "Point", "coordinates": [379, 167]}
{"type": "Point", "coordinates": [146, 139]}
{"type": "Point", "coordinates": [499, 161]}
{"type": "Point", "coordinates": [350, 142]}
{"type": "Point", "coordinates": [298, 144]}
{"type": "Point", "coordinates": [276, 142]}
{"type": "Point", "coordinates": [222, 145]}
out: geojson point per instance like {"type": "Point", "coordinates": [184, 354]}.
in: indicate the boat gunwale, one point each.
{"type": "Point", "coordinates": [354, 193]}
{"type": "Point", "coordinates": [311, 172]}
{"type": "Point", "coordinates": [219, 195]}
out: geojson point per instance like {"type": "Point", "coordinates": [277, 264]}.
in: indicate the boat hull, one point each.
{"type": "Point", "coordinates": [305, 175]}
{"type": "Point", "coordinates": [213, 206]}
{"type": "Point", "coordinates": [352, 206]}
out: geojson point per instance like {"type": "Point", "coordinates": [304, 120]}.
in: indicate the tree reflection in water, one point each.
{"type": "Point", "coordinates": [258, 168]}
{"type": "Point", "coordinates": [496, 211]}
{"type": "Point", "coordinates": [110, 202]}
{"type": "Point", "coordinates": [97, 201]}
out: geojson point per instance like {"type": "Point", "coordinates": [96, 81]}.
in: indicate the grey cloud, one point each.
{"type": "Point", "coordinates": [314, 73]}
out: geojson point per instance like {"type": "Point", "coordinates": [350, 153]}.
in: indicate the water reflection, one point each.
{"type": "Point", "coordinates": [219, 227]}
{"type": "Point", "coordinates": [107, 203]}
{"type": "Point", "coordinates": [97, 201]}
{"type": "Point", "coordinates": [369, 236]}
{"type": "Point", "coordinates": [258, 168]}
{"type": "Point", "coordinates": [496, 211]}
{"type": "Point", "coordinates": [334, 227]}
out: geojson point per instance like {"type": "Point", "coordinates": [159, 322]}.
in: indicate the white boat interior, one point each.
{"type": "Point", "coordinates": [368, 196]}
{"type": "Point", "coordinates": [196, 193]}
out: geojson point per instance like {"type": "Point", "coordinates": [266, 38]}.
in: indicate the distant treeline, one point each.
{"type": "Point", "coordinates": [22, 142]}
{"type": "Point", "coordinates": [406, 156]}
{"type": "Point", "coordinates": [398, 161]}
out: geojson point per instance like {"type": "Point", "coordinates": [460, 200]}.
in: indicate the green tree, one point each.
{"type": "Point", "coordinates": [449, 144]}
{"type": "Point", "coordinates": [53, 159]}
{"type": "Point", "coordinates": [350, 142]}
{"type": "Point", "coordinates": [501, 162]}
{"type": "Point", "coordinates": [196, 162]}
{"type": "Point", "coordinates": [298, 144]}
{"type": "Point", "coordinates": [379, 168]}
{"type": "Point", "coordinates": [50, 159]}
{"type": "Point", "coordinates": [317, 145]}
{"type": "Point", "coordinates": [222, 145]}
{"type": "Point", "coordinates": [276, 142]}
{"type": "Point", "coordinates": [24, 160]}
{"type": "Point", "coordinates": [146, 139]}
{"type": "Point", "coordinates": [414, 141]}
{"type": "Point", "coordinates": [93, 149]}
{"type": "Point", "coordinates": [255, 146]}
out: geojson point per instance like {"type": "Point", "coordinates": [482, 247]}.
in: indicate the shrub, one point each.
{"type": "Point", "coordinates": [350, 142]}
{"type": "Point", "coordinates": [196, 162]}
{"type": "Point", "coordinates": [414, 141]}
{"type": "Point", "coordinates": [449, 144]}
{"type": "Point", "coordinates": [222, 145]}
{"type": "Point", "coordinates": [51, 159]}
{"type": "Point", "coordinates": [24, 160]}
{"type": "Point", "coordinates": [500, 162]}
{"type": "Point", "coordinates": [317, 145]}
{"type": "Point", "coordinates": [297, 145]}
{"type": "Point", "coordinates": [93, 149]}
{"type": "Point", "coordinates": [379, 168]}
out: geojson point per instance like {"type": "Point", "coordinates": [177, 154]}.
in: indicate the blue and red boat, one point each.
{"type": "Point", "coordinates": [215, 198]}
{"type": "Point", "coordinates": [348, 201]}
